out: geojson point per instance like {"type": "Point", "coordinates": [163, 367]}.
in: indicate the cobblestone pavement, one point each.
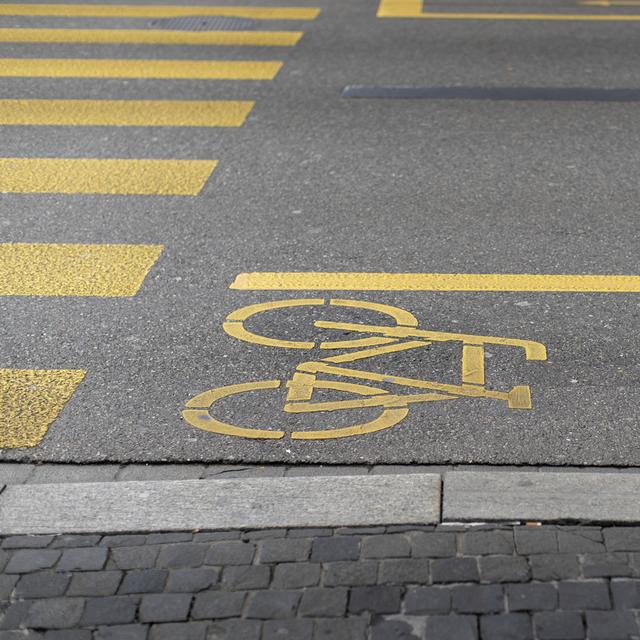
{"type": "Point", "coordinates": [378, 583]}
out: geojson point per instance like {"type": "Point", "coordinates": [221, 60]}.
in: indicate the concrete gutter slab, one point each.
{"type": "Point", "coordinates": [224, 504]}
{"type": "Point", "coordinates": [541, 496]}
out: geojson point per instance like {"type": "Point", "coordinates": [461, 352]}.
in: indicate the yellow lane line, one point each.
{"type": "Point", "coordinates": [111, 176]}
{"type": "Point", "coordinates": [164, 69]}
{"type": "Point", "coordinates": [611, 3]}
{"type": "Point", "coordinates": [145, 113]}
{"type": "Point", "coordinates": [343, 281]}
{"type": "Point", "coordinates": [157, 11]}
{"type": "Point", "coordinates": [31, 400]}
{"type": "Point", "coordinates": [96, 270]}
{"type": "Point", "coordinates": [155, 37]}
{"type": "Point", "coordinates": [414, 9]}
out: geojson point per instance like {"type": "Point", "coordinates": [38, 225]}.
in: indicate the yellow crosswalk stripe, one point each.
{"type": "Point", "coordinates": [155, 37]}
{"type": "Point", "coordinates": [145, 113]}
{"type": "Point", "coordinates": [110, 176]}
{"type": "Point", "coordinates": [96, 270]}
{"type": "Point", "coordinates": [157, 11]}
{"type": "Point", "coordinates": [30, 400]}
{"type": "Point", "coordinates": [344, 281]}
{"type": "Point", "coordinates": [162, 69]}
{"type": "Point", "coordinates": [414, 9]}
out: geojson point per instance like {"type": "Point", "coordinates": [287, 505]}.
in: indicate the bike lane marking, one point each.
{"type": "Point", "coordinates": [414, 9]}
{"type": "Point", "coordinates": [157, 11]}
{"type": "Point", "coordinates": [31, 400]}
{"type": "Point", "coordinates": [360, 281]}
{"type": "Point", "coordinates": [156, 69]}
{"type": "Point", "coordinates": [153, 37]}
{"type": "Point", "coordinates": [141, 113]}
{"type": "Point", "coordinates": [104, 176]}
{"type": "Point", "coordinates": [96, 270]}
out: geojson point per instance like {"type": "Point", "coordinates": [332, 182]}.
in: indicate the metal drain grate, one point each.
{"type": "Point", "coordinates": [204, 23]}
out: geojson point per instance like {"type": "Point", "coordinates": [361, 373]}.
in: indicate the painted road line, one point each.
{"type": "Point", "coordinates": [31, 401]}
{"type": "Point", "coordinates": [157, 11]}
{"type": "Point", "coordinates": [541, 497]}
{"type": "Point", "coordinates": [141, 113]}
{"type": "Point", "coordinates": [345, 281]}
{"type": "Point", "coordinates": [97, 270]}
{"type": "Point", "coordinates": [414, 9]}
{"type": "Point", "coordinates": [153, 37]}
{"type": "Point", "coordinates": [611, 3]}
{"type": "Point", "coordinates": [254, 503]}
{"type": "Point", "coordinates": [111, 176]}
{"type": "Point", "coordinates": [121, 68]}
{"type": "Point", "coordinates": [568, 94]}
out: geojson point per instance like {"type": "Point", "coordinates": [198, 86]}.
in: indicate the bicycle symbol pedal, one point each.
{"type": "Point", "coordinates": [329, 373]}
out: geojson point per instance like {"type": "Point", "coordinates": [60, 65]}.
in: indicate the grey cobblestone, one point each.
{"type": "Point", "coordinates": [238, 577]}
{"type": "Point", "coordinates": [232, 552]}
{"type": "Point", "coordinates": [192, 580]}
{"type": "Point", "coordinates": [28, 560]}
{"type": "Point", "coordinates": [386, 546]}
{"type": "Point", "coordinates": [94, 583]}
{"type": "Point", "coordinates": [284, 550]}
{"type": "Point", "coordinates": [419, 600]}
{"type": "Point", "coordinates": [27, 542]}
{"type": "Point", "coordinates": [375, 599]}
{"type": "Point", "coordinates": [264, 584]}
{"type": "Point", "coordinates": [335, 549]}
{"type": "Point", "coordinates": [43, 584]}
{"type": "Point", "coordinates": [480, 543]}
{"type": "Point", "coordinates": [84, 559]}
{"type": "Point", "coordinates": [323, 603]}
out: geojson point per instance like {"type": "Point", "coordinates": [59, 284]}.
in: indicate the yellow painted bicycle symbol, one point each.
{"type": "Point", "coordinates": [375, 340]}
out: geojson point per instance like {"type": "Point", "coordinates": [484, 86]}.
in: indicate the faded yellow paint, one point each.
{"type": "Point", "coordinates": [157, 11]}
{"type": "Point", "coordinates": [396, 347]}
{"type": "Point", "coordinates": [110, 176]}
{"type": "Point", "coordinates": [197, 412]}
{"type": "Point", "coordinates": [123, 68]}
{"type": "Point", "coordinates": [472, 364]}
{"type": "Point", "coordinates": [611, 3]}
{"type": "Point", "coordinates": [30, 400]}
{"type": "Point", "coordinates": [141, 113]}
{"type": "Point", "coordinates": [346, 281]}
{"type": "Point", "coordinates": [414, 9]}
{"type": "Point", "coordinates": [100, 270]}
{"type": "Point", "coordinates": [153, 37]}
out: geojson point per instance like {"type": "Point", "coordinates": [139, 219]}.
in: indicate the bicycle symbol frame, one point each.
{"type": "Point", "coordinates": [378, 340]}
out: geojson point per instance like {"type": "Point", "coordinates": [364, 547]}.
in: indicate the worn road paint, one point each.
{"type": "Point", "coordinates": [157, 11]}
{"type": "Point", "coordinates": [153, 37]}
{"type": "Point", "coordinates": [346, 281]}
{"type": "Point", "coordinates": [30, 400]}
{"type": "Point", "coordinates": [121, 68]}
{"type": "Point", "coordinates": [99, 270]}
{"type": "Point", "coordinates": [414, 9]}
{"type": "Point", "coordinates": [141, 113]}
{"type": "Point", "coordinates": [110, 176]}
{"type": "Point", "coordinates": [404, 336]}
{"type": "Point", "coordinates": [611, 3]}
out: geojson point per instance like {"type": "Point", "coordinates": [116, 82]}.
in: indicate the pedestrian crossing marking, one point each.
{"type": "Point", "coordinates": [110, 176]}
{"type": "Point", "coordinates": [345, 281]}
{"type": "Point", "coordinates": [30, 400]}
{"type": "Point", "coordinates": [141, 113]}
{"type": "Point", "coordinates": [153, 37]}
{"type": "Point", "coordinates": [157, 11]}
{"type": "Point", "coordinates": [414, 9]}
{"type": "Point", "coordinates": [122, 68]}
{"type": "Point", "coordinates": [95, 270]}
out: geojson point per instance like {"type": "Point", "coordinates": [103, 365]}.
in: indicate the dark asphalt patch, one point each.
{"type": "Point", "coordinates": [563, 94]}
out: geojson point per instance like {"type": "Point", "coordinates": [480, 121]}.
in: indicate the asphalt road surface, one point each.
{"type": "Point", "coordinates": [130, 236]}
